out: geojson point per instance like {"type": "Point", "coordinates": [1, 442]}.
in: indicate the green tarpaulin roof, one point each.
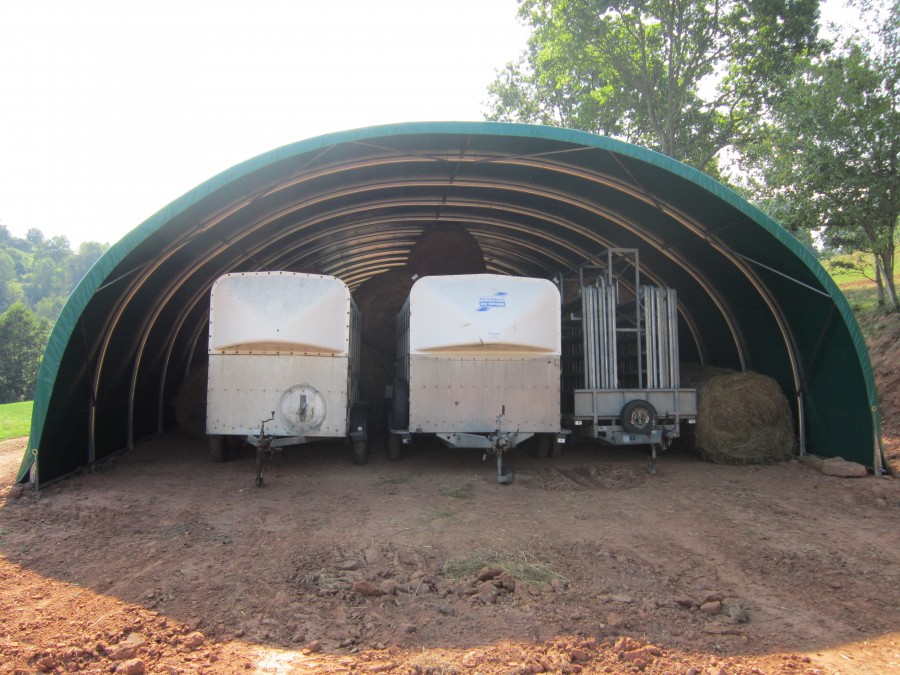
{"type": "Point", "coordinates": [538, 199]}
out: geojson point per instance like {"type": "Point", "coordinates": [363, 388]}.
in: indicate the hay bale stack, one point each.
{"type": "Point", "coordinates": [742, 418]}
{"type": "Point", "coordinates": [446, 249]}
{"type": "Point", "coordinates": [379, 299]}
{"type": "Point", "coordinates": [190, 403]}
{"type": "Point", "coordinates": [375, 373]}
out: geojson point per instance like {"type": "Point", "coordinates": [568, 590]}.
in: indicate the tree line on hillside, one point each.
{"type": "Point", "coordinates": [37, 275]}
{"type": "Point", "coordinates": [748, 92]}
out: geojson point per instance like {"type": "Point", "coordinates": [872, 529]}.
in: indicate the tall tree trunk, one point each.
{"type": "Point", "coordinates": [879, 283]}
{"type": "Point", "coordinates": [886, 267]}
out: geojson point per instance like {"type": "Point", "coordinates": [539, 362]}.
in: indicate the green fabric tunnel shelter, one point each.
{"type": "Point", "coordinates": [538, 200]}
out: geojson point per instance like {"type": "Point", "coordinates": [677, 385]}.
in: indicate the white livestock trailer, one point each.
{"type": "Point", "coordinates": [478, 364]}
{"type": "Point", "coordinates": [283, 363]}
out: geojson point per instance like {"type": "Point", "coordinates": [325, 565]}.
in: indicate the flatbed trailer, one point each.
{"type": "Point", "coordinates": [621, 363]}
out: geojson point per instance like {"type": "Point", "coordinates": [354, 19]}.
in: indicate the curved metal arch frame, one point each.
{"type": "Point", "coordinates": [273, 260]}
{"type": "Point", "coordinates": [235, 209]}
{"type": "Point", "coordinates": [173, 289]}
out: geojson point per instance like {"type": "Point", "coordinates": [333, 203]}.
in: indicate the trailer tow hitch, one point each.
{"type": "Point", "coordinates": [501, 441]}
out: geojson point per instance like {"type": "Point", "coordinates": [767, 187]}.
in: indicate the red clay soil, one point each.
{"type": "Point", "coordinates": [884, 353]}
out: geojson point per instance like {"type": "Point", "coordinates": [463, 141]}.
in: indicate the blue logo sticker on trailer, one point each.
{"type": "Point", "coordinates": [486, 302]}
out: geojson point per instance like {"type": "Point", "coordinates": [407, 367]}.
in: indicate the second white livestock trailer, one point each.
{"type": "Point", "coordinates": [478, 364]}
{"type": "Point", "coordinates": [283, 363]}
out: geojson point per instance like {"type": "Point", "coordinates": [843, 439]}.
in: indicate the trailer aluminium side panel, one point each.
{"type": "Point", "coordinates": [469, 393]}
{"type": "Point", "coordinates": [478, 363]}
{"type": "Point", "coordinates": [283, 363]}
{"type": "Point", "coordinates": [308, 394]}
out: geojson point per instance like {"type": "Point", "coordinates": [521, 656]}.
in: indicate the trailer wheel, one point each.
{"type": "Point", "coordinates": [400, 404]}
{"type": "Point", "coordinates": [394, 445]}
{"type": "Point", "coordinates": [360, 452]}
{"type": "Point", "coordinates": [359, 430]}
{"type": "Point", "coordinates": [217, 449]}
{"type": "Point", "coordinates": [556, 449]}
{"type": "Point", "coordinates": [638, 417]}
{"type": "Point", "coordinates": [543, 448]}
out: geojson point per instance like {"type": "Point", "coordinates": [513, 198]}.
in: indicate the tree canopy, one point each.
{"type": "Point", "coordinates": [831, 149]}
{"type": "Point", "coordinates": [41, 272]}
{"type": "Point", "coordinates": [684, 77]}
{"type": "Point", "coordinates": [36, 276]}
{"type": "Point", "coordinates": [22, 340]}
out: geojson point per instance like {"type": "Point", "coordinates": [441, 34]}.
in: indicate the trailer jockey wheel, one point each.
{"type": "Point", "coordinates": [504, 476]}
{"type": "Point", "coordinates": [259, 463]}
{"type": "Point", "coordinates": [638, 417]}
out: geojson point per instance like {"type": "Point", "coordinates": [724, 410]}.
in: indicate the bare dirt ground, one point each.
{"type": "Point", "coordinates": [164, 562]}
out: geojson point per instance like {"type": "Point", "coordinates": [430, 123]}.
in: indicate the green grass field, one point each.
{"type": "Point", "coordinates": [850, 268]}
{"type": "Point", "coordinates": [15, 420]}
{"type": "Point", "coordinates": [857, 285]}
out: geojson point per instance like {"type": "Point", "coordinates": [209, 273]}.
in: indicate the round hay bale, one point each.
{"type": "Point", "coordinates": [446, 249]}
{"type": "Point", "coordinates": [376, 371]}
{"type": "Point", "coordinates": [742, 418]}
{"type": "Point", "coordinates": [190, 403]}
{"type": "Point", "coordinates": [379, 299]}
{"type": "Point", "coordinates": [694, 375]}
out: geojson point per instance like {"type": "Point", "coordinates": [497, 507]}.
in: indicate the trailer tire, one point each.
{"type": "Point", "coordinates": [360, 451]}
{"type": "Point", "coordinates": [556, 449]}
{"type": "Point", "coordinates": [394, 445]}
{"type": "Point", "coordinates": [359, 432]}
{"type": "Point", "coordinates": [543, 447]}
{"type": "Point", "coordinates": [218, 449]}
{"type": "Point", "coordinates": [638, 417]}
{"type": "Point", "coordinates": [400, 404]}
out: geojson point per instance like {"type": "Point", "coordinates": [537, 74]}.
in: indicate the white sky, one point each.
{"type": "Point", "coordinates": [110, 109]}
{"type": "Point", "coordinates": [113, 108]}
